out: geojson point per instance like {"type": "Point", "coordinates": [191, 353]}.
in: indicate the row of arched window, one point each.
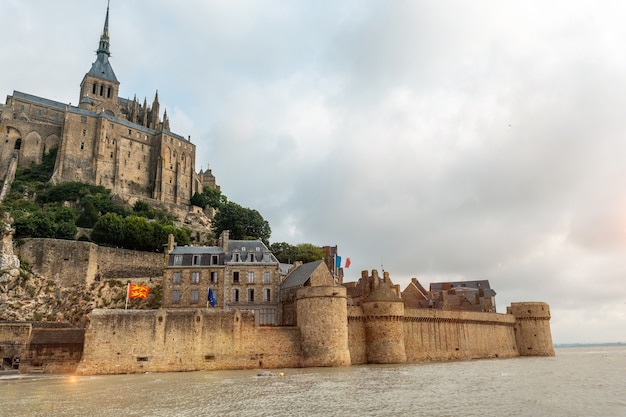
{"type": "Point", "coordinates": [102, 90]}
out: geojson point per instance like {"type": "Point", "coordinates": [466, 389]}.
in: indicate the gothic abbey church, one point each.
{"type": "Point", "coordinates": [107, 140]}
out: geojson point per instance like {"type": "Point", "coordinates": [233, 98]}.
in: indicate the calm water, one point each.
{"type": "Point", "coordinates": [577, 382]}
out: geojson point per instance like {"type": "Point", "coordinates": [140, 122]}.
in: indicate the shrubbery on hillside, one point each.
{"type": "Point", "coordinates": [55, 211]}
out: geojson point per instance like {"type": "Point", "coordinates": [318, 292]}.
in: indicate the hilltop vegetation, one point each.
{"type": "Point", "coordinates": [42, 210]}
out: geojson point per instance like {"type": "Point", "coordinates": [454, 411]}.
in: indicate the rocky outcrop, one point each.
{"type": "Point", "coordinates": [28, 296]}
{"type": "Point", "coordinates": [9, 263]}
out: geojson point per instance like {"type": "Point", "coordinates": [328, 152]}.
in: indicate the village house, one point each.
{"type": "Point", "coordinates": [235, 274]}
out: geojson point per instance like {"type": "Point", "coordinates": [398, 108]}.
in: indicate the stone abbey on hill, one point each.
{"type": "Point", "coordinates": [107, 140]}
{"type": "Point", "coordinates": [264, 316]}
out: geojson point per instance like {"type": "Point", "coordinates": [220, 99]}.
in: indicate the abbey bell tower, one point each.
{"type": "Point", "coordinates": [99, 88]}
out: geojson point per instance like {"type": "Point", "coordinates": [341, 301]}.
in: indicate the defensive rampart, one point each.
{"type": "Point", "coordinates": [127, 341]}
{"type": "Point", "coordinates": [120, 341]}
{"type": "Point", "coordinates": [71, 262]}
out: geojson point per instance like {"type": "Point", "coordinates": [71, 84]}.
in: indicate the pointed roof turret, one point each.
{"type": "Point", "coordinates": [104, 37]}
{"type": "Point", "coordinates": [102, 68]}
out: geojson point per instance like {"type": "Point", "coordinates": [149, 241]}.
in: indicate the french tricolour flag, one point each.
{"type": "Point", "coordinates": [340, 264]}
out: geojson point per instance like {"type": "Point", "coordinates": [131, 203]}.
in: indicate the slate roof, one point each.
{"type": "Point", "coordinates": [101, 68]}
{"type": "Point", "coordinates": [244, 247]}
{"type": "Point", "coordinates": [39, 100]}
{"type": "Point", "coordinates": [196, 250]}
{"type": "Point", "coordinates": [437, 287]}
{"type": "Point", "coordinates": [300, 275]}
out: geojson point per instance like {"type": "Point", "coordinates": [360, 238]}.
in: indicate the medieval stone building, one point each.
{"type": "Point", "coordinates": [107, 140]}
{"type": "Point", "coordinates": [240, 274]}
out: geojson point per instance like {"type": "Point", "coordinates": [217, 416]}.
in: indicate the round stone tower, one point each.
{"type": "Point", "coordinates": [322, 316]}
{"type": "Point", "coordinates": [532, 328]}
{"type": "Point", "coordinates": [383, 310]}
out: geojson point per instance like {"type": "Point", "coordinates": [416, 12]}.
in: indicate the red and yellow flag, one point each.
{"type": "Point", "coordinates": [138, 291]}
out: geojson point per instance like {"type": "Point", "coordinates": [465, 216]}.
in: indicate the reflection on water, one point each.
{"type": "Point", "coordinates": [577, 382]}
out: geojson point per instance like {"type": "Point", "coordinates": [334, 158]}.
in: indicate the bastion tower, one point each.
{"type": "Point", "coordinates": [323, 321]}
{"type": "Point", "coordinates": [383, 310]}
{"type": "Point", "coordinates": [532, 328]}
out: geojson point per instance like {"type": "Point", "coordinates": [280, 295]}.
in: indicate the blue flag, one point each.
{"type": "Point", "coordinates": [337, 261]}
{"type": "Point", "coordinates": [211, 298]}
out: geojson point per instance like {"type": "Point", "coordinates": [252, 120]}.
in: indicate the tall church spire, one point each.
{"type": "Point", "coordinates": [103, 47]}
{"type": "Point", "coordinates": [101, 68]}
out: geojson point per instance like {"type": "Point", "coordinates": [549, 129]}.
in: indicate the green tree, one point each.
{"type": "Point", "coordinates": [109, 229]}
{"type": "Point", "coordinates": [284, 252]}
{"type": "Point", "coordinates": [199, 200]}
{"type": "Point", "coordinates": [89, 215]}
{"type": "Point", "coordinates": [243, 223]}
{"type": "Point", "coordinates": [214, 198]}
{"type": "Point", "coordinates": [305, 252]}
{"type": "Point", "coordinates": [65, 230]}
{"type": "Point", "coordinates": [138, 234]}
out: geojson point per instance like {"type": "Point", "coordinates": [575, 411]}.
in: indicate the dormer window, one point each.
{"type": "Point", "coordinates": [251, 257]}
{"type": "Point", "coordinates": [178, 259]}
{"type": "Point", "coordinates": [267, 257]}
{"type": "Point", "coordinates": [197, 259]}
{"type": "Point", "coordinates": [236, 257]}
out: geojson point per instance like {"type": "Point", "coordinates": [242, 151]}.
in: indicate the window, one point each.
{"type": "Point", "coordinates": [129, 154]}
{"type": "Point", "coordinates": [84, 132]}
{"type": "Point", "coordinates": [178, 259]}
{"type": "Point", "coordinates": [215, 260]}
{"type": "Point", "coordinates": [82, 146]}
{"type": "Point", "coordinates": [110, 125]}
{"type": "Point", "coordinates": [83, 119]}
{"type": "Point", "coordinates": [235, 295]}
{"type": "Point", "coordinates": [236, 257]}
{"type": "Point", "coordinates": [251, 295]}
{"type": "Point", "coordinates": [267, 277]}
{"type": "Point", "coordinates": [111, 154]}
{"type": "Point", "coordinates": [194, 296]}
{"type": "Point", "coordinates": [213, 277]}
{"type": "Point", "coordinates": [109, 92]}
{"type": "Point", "coordinates": [197, 259]}
{"type": "Point", "coordinates": [195, 277]}
{"type": "Point", "coordinates": [130, 132]}
{"type": "Point", "coordinates": [175, 296]}
{"type": "Point", "coordinates": [93, 89]}
{"type": "Point", "coordinates": [250, 277]}
{"type": "Point", "coordinates": [267, 295]}
{"type": "Point", "coordinates": [236, 277]}
{"type": "Point", "coordinates": [251, 257]}
{"type": "Point", "coordinates": [101, 90]}
{"type": "Point", "coordinates": [176, 278]}
{"type": "Point", "coordinates": [267, 257]}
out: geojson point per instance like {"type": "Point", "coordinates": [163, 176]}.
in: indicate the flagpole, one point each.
{"type": "Point", "coordinates": [127, 291]}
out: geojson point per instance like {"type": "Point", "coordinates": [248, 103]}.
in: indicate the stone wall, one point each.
{"type": "Point", "coordinates": [14, 338]}
{"type": "Point", "coordinates": [41, 347]}
{"type": "Point", "coordinates": [127, 341]}
{"type": "Point", "coordinates": [72, 263]}
{"type": "Point", "coordinates": [436, 335]}
{"type": "Point", "coordinates": [445, 335]}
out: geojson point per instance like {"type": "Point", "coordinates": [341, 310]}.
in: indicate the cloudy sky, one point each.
{"type": "Point", "coordinates": [443, 140]}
